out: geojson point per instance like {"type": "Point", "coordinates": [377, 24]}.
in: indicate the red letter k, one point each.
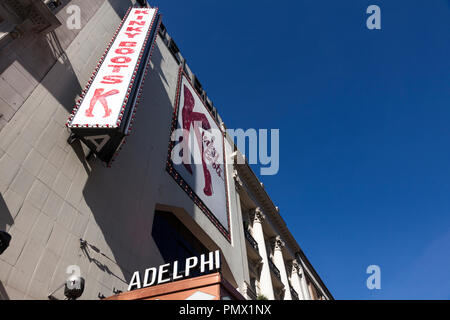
{"type": "Point", "coordinates": [100, 96]}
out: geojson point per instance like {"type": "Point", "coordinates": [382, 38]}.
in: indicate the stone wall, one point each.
{"type": "Point", "coordinates": [24, 62]}
{"type": "Point", "coordinates": [41, 176]}
{"type": "Point", "coordinates": [50, 196]}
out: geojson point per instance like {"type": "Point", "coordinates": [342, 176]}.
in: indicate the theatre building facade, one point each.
{"type": "Point", "coordinates": [116, 167]}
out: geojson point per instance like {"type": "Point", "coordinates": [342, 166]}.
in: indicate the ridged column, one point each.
{"type": "Point", "coordinates": [304, 284]}
{"type": "Point", "coordinates": [265, 280]}
{"type": "Point", "coordinates": [295, 279]}
{"type": "Point", "coordinates": [278, 260]}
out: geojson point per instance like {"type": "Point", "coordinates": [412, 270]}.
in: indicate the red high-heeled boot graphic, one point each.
{"type": "Point", "coordinates": [191, 118]}
{"type": "Point", "coordinates": [100, 96]}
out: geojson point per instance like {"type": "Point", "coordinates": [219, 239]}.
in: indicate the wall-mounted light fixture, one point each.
{"type": "Point", "coordinates": [52, 4]}
{"type": "Point", "coordinates": [74, 287]}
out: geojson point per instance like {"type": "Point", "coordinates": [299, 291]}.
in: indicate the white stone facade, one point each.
{"type": "Point", "coordinates": [51, 196]}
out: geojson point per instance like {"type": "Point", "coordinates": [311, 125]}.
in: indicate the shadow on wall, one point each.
{"type": "Point", "coordinates": [122, 198]}
{"type": "Point", "coordinates": [3, 294]}
{"type": "Point", "coordinates": [114, 3]}
{"type": "Point", "coordinates": [5, 216]}
{"type": "Point", "coordinates": [124, 226]}
{"type": "Point", "coordinates": [26, 61]}
{"type": "Point", "coordinates": [5, 220]}
{"type": "Point", "coordinates": [68, 86]}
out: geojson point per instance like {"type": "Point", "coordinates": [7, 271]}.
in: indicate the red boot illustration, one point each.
{"type": "Point", "coordinates": [99, 96]}
{"type": "Point", "coordinates": [190, 118]}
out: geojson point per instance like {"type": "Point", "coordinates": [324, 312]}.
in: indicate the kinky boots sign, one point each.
{"type": "Point", "coordinates": [169, 272]}
{"type": "Point", "coordinates": [104, 115]}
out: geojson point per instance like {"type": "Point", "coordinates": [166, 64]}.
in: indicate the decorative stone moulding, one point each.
{"type": "Point", "coordinates": [257, 215]}
{"type": "Point", "coordinates": [278, 243]}
{"type": "Point", "coordinates": [31, 16]}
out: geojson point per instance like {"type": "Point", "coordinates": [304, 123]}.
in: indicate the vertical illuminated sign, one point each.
{"type": "Point", "coordinates": [104, 114]}
{"type": "Point", "coordinates": [197, 155]}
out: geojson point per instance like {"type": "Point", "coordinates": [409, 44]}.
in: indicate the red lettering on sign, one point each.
{"type": "Point", "coordinates": [128, 44]}
{"type": "Point", "coordinates": [141, 12]}
{"type": "Point", "coordinates": [131, 29]}
{"type": "Point", "coordinates": [139, 23]}
{"type": "Point", "coordinates": [116, 67]}
{"type": "Point", "coordinates": [99, 96]}
{"type": "Point", "coordinates": [124, 51]}
{"type": "Point", "coordinates": [132, 35]}
{"type": "Point", "coordinates": [120, 60]}
{"type": "Point", "coordinates": [112, 79]}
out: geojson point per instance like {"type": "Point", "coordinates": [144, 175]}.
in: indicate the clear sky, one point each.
{"type": "Point", "coordinates": [364, 119]}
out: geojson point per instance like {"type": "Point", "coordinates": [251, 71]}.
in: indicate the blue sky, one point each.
{"type": "Point", "coordinates": [364, 126]}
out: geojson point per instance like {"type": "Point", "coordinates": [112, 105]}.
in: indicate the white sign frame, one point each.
{"type": "Point", "coordinates": [106, 96]}
{"type": "Point", "coordinates": [194, 183]}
